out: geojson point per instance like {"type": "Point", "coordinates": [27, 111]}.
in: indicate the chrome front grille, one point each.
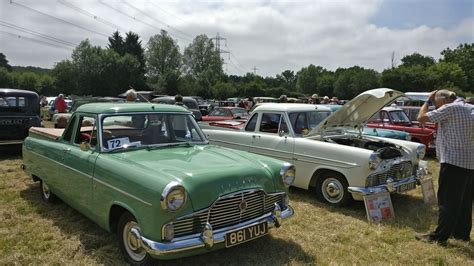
{"type": "Point", "coordinates": [397, 172]}
{"type": "Point", "coordinates": [229, 210]}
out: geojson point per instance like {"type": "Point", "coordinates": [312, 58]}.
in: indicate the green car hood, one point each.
{"type": "Point", "coordinates": [206, 171]}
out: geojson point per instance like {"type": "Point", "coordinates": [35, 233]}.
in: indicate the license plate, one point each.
{"type": "Point", "coordinates": [246, 234]}
{"type": "Point", "coordinates": [406, 187]}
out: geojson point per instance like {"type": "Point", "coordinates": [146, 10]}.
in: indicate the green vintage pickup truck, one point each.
{"type": "Point", "coordinates": [147, 172]}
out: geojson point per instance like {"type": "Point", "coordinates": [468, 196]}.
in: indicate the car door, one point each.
{"type": "Point", "coordinates": [79, 163]}
{"type": "Point", "coordinates": [272, 137]}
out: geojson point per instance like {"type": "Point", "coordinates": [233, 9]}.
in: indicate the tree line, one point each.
{"type": "Point", "coordinates": [162, 67]}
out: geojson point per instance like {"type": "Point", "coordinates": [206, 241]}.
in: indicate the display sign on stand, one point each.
{"type": "Point", "coordinates": [379, 207]}
{"type": "Point", "coordinates": [429, 195]}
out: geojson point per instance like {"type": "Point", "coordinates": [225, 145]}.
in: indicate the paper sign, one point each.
{"type": "Point", "coordinates": [379, 207]}
{"type": "Point", "coordinates": [117, 143]}
{"type": "Point", "coordinates": [429, 195]}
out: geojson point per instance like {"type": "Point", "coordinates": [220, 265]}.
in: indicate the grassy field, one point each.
{"type": "Point", "coordinates": [32, 232]}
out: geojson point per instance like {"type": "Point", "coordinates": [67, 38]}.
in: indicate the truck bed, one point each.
{"type": "Point", "coordinates": [50, 133]}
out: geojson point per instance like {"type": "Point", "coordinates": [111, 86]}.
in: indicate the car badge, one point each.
{"type": "Point", "coordinates": [243, 205]}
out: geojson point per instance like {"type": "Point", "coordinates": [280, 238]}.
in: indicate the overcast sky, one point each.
{"type": "Point", "coordinates": [271, 35]}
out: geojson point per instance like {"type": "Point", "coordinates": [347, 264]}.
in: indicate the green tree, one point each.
{"type": "Point", "coordinates": [288, 79]}
{"type": "Point", "coordinates": [417, 59]}
{"type": "Point", "coordinates": [4, 62]}
{"type": "Point", "coordinates": [352, 81]}
{"type": "Point", "coordinates": [325, 84]}
{"type": "Point", "coordinates": [65, 78]}
{"type": "Point", "coordinates": [222, 90]}
{"type": "Point", "coordinates": [463, 55]}
{"type": "Point", "coordinates": [203, 63]}
{"type": "Point", "coordinates": [5, 78]}
{"type": "Point", "coordinates": [445, 73]}
{"type": "Point", "coordinates": [116, 43]}
{"type": "Point", "coordinates": [163, 63]}
{"type": "Point", "coordinates": [307, 79]}
{"type": "Point", "coordinates": [28, 81]}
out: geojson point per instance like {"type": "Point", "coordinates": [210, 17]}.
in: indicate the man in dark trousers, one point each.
{"type": "Point", "coordinates": [455, 151]}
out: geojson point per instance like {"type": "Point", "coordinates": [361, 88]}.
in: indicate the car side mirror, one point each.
{"type": "Point", "coordinates": [85, 146]}
{"type": "Point", "coordinates": [282, 133]}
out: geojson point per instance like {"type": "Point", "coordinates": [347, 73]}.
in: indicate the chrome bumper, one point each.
{"type": "Point", "coordinates": [209, 237]}
{"type": "Point", "coordinates": [358, 192]}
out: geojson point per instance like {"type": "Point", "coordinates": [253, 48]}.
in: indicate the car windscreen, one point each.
{"type": "Point", "coordinates": [16, 104]}
{"type": "Point", "coordinates": [149, 130]}
{"type": "Point", "coordinates": [191, 104]}
{"type": "Point", "coordinates": [304, 122]}
{"type": "Point", "coordinates": [399, 116]}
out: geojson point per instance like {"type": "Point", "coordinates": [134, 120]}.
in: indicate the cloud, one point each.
{"type": "Point", "coordinates": [271, 35]}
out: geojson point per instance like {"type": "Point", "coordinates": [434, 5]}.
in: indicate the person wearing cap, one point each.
{"type": "Point", "coordinates": [455, 151]}
{"type": "Point", "coordinates": [325, 100]}
{"type": "Point", "coordinates": [283, 98]}
{"type": "Point", "coordinates": [60, 104]}
{"type": "Point", "coordinates": [334, 100]}
{"type": "Point", "coordinates": [314, 99]}
{"type": "Point", "coordinates": [470, 100]}
{"type": "Point", "coordinates": [131, 96]}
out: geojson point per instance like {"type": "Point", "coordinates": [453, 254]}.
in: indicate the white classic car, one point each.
{"type": "Point", "coordinates": [337, 163]}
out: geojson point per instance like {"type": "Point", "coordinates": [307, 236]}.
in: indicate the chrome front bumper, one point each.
{"type": "Point", "coordinates": [358, 192]}
{"type": "Point", "coordinates": [208, 238]}
{"type": "Point", "coordinates": [390, 186]}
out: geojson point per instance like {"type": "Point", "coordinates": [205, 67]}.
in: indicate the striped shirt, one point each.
{"type": "Point", "coordinates": [455, 136]}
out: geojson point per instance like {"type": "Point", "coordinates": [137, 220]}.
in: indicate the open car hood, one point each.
{"type": "Point", "coordinates": [357, 112]}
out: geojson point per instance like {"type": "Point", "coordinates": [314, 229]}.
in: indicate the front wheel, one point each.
{"type": "Point", "coordinates": [332, 189]}
{"type": "Point", "coordinates": [129, 244]}
{"type": "Point", "coordinates": [46, 193]}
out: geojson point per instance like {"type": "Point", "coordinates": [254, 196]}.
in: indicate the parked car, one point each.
{"type": "Point", "coordinates": [190, 103]}
{"type": "Point", "coordinates": [60, 120]}
{"type": "Point", "coordinates": [19, 110]}
{"type": "Point", "coordinates": [412, 113]}
{"type": "Point", "coordinates": [396, 119]}
{"type": "Point", "coordinates": [380, 132]}
{"type": "Point", "coordinates": [226, 113]}
{"type": "Point", "coordinates": [339, 164]}
{"type": "Point", "coordinates": [156, 181]}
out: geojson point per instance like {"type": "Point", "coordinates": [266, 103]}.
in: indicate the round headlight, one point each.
{"type": "Point", "coordinates": [173, 197]}
{"type": "Point", "coordinates": [374, 160]}
{"type": "Point", "coordinates": [420, 151]}
{"type": "Point", "coordinates": [287, 173]}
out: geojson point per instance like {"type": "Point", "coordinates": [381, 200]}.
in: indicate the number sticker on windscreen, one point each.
{"type": "Point", "coordinates": [117, 143]}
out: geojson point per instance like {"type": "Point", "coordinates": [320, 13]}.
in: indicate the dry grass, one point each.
{"type": "Point", "coordinates": [32, 232]}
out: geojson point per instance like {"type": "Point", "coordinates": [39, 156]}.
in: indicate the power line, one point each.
{"type": "Point", "coordinates": [159, 21]}
{"type": "Point", "coordinates": [38, 34]}
{"type": "Point", "coordinates": [56, 18]}
{"type": "Point", "coordinates": [169, 13]}
{"type": "Point", "coordinates": [89, 14]}
{"type": "Point", "coordinates": [130, 16]}
{"type": "Point", "coordinates": [35, 40]}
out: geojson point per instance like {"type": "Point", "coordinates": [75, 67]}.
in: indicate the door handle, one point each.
{"type": "Point", "coordinates": [255, 136]}
{"type": "Point", "coordinates": [66, 150]}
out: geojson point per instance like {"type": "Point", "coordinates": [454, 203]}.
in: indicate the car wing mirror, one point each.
{"type": "Point", "coordinates": [282, 133]}
{"type": "Point", "coordinates": [85, 146]}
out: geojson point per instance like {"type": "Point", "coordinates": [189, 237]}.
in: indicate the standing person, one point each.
{"type": "Point", "coordinates": [455, 151]}
{"type": "Point", "coordinates": [60, 104]}
{"type": "Point", "coordinates": [241, 104]}
{"type": "Point", "coordinates": [131, 96]}
{"type": "Point", "coordinates": [314, 99]}
{"type": "Point", "coordinates": [283, 98]}
{"type": "Point", "coordinates": [178, 100]}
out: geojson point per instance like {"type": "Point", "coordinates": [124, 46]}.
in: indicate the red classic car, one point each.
{"type": "Point", "coordinates": [226, 113]}
{"type": "Point", "coordinates": [395, 118]}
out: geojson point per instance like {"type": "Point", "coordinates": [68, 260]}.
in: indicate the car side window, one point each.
{"type": "Point", "coordinates": [384, 116]}
{"type": "Point", "coordinates": [270, 123]}
{"type": "Point", "coordinates": [68, 131]}
{"type": "Point", "coordinates": [283, 126]}
{"type": "Point", "coordinates": [375, 118]}
{"type": "Point", "coordinates": [252, 123]}
{"type": "Point", "coordinates": [86, 131]}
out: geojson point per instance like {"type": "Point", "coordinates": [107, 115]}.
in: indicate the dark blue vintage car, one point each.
{"type": "Point", "coordinates": [19, 110]}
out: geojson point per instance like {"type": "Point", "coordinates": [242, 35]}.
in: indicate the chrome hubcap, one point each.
{"type": "Point", "coordinates": [45, 189]}
{"type": "Point", "coordinates": [332, 190]}
{"type": "Point", "coordinates": [132, 244]}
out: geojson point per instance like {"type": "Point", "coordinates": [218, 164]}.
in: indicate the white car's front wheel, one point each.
{"type": "Point", "coordinates": [332, 189]}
